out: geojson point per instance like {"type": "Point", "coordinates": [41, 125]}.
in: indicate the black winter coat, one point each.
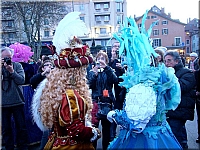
{"type": "Point", "coordinates": [119, 91]}
{"type": "Point", "coordinates": [185, 109]}
{"type": "Point", "coordinates": [36, 79]}
{"type": "Point", "coordinates": [104, 80]}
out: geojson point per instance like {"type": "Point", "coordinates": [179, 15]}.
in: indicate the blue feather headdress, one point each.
{"type": "Point", "coordinates": [135, 45]}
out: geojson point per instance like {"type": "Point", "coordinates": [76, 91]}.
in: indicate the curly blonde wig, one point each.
{"type": "Point", "coordinates": [57, 82]}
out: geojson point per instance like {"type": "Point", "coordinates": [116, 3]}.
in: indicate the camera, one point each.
{"type": "Point", "coordinates": [98, 64]}
{"type": "Point", "coordinates": [7, 60]}
{"type": "Point", "coordinates": [117, 52]}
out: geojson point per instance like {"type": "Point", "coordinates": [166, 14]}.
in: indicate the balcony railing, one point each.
{"type": "Point", "coordinates": [103, 10]}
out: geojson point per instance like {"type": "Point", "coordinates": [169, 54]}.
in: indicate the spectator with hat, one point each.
{"type": "Point", "coordinates": [193, 63]}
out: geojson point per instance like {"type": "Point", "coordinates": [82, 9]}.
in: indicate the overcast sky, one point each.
{"type": "Point", "coordinates": [179, 9]}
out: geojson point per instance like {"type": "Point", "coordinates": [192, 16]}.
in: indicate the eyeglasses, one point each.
{"type": "Point", "coordinates": [168, 61]}
{"type": "Point", "coordinates": [47, 65]}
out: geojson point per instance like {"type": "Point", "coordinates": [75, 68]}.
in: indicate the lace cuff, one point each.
{"type": "Point", "coordinates": [94, 131]}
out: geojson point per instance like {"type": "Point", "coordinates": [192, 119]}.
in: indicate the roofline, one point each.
{"type": "Point", "coordinates": [138, 18]}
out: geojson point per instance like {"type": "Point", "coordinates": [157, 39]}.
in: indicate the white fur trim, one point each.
{"type": "Point", "coordinates": [36, 104]}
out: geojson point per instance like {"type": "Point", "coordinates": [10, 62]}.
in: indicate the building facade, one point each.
{"type": "Point", "coordinates": [167, 32]}
{"type": "Point", "coordinates": [192, 36]}
{"type": "Point", "coordinates": [102, 17]}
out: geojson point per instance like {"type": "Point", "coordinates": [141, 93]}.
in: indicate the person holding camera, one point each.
{"type": "Point", "coordinates": [12, 101]}
{"type": "Point", "coordinates": [23, 54]}
{"type": "Point", "coordinates": [100, 80]}
{"type": "Point", "coordinates": [44, 69]}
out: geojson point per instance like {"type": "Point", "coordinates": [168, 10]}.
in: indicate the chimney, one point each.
{"type": "Point", "coordinates": [134, 16]}
{"type": "Point", "coordinates": [162, 10]}
{"type": "Point", "coordinates": [169, 15]}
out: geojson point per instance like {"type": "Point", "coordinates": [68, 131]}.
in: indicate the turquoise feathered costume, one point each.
{"type": "Point", "coordinates": [152, 91]}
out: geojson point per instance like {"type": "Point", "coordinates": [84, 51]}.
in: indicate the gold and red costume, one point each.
{"type": "Point", "coordinates": [70, 131]}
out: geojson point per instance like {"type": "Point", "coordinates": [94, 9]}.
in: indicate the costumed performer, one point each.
{"type": "Point", "coordinates": [62, 101]}
{"type": "Point", "coordinates": [151, 91]}
{"type": "Point", "coordinates": [22, 54]}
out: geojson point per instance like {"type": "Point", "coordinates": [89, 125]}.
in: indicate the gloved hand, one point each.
{"type": "Point", "coordinates": [99, 133]}
{"type": "Point", "coordinates": [110, 116]}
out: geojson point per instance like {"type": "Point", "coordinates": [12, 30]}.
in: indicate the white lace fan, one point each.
{"type": "Point", "coordinates": [68, 27]}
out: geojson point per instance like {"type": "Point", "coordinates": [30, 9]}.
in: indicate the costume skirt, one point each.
{"type": "Point", "coordinates": [162, 140]}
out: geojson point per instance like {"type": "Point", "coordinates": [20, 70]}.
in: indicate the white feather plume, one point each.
{"type": "Point", "coordinates": [36, 104]}
{"type": "Point", "coordinates": [68, 27]}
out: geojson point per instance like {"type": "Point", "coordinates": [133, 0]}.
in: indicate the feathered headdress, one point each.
{"type": "Point", "coordinates": [22, 53]}
{"type": "Point", "coordinates": [69, 50]}
{"type": "Point", "coordinates": [136, 47]}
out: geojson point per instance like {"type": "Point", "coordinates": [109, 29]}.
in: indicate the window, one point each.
{"type": "Point", "coordinates": [119, 29]}
{"type": "Point", "coordinates": [82, 18]}
{"type": "Point", "coordinates": [118, 7]}
{"type": "Point", "coordinates": [98, 18]}
{"type": "Point", "coordinates": [10, 24]}
{"type": "Point", "coordinates": [106, 18]}
{"type": "Point", "coordinates": [153, 17]}
{"type": "Point", "coordinates": [105, 6]}
{"type": "Point", "coordinates": [155, 32]}
{"type": "Point", "coordinates": [193, 46]}
{"type": "Point", "coordinates": [118, 19]}
{"type": "Point", "coordinates": [46, 33]}
{"type": "Point", "coordinates": [177, 41]}
{"type": "Point", "coordinates": [10, 35]}
{"type": "Point", "coordinates": [148, 17]}
{"type": "Point", "coordinates": [97, 6]}
{"type": "Point", "coordinates": [187, 49]}
{"type": "Point", "coordinates": [139, 25]}
{"type": "Point", "coordinates": [156, 42]}
{"type": "Point", "coordinates": [164, 31]}
{"type": "Point", "coordinates": [103, 42]}
{"type": "Point", "coordinates": [164, 22]}
{"type": "Point", "coordinates": [7, 13]}
{"type": "Point", "coordinates": [46, 21]}
{"type": "Point", "coordinates": [81, 7]}
{"type": "Point", "coordinates": [187, 41]}
{"type": "Point", "coordinates": [63, 9]}
{"type": "Point", "coordinates": [102, 30]}
{"type": "Point", "coordinates": [157, 23]}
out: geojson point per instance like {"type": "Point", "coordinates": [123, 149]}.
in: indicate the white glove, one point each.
{"type": "Point", "coordinates": [110, 116]}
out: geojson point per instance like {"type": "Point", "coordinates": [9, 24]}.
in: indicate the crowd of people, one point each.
{"type": "Point", "coordinates": [60, 103]}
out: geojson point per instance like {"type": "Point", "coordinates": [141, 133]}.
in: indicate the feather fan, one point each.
{"type": "Point", "coordinates": [68, 27]}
